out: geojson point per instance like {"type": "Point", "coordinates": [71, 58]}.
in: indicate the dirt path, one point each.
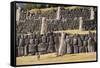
{"type": "Point", "coordinates": [51, 58]}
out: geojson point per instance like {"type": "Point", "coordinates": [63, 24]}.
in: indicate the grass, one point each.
{"type": "Point", "coordinates": [55, 8]}
{"type": "Point", "coordinates": [76, 31]}
{"type": "Point", "coordinates": [51, 58]}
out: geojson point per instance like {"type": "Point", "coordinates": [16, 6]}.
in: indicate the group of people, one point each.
{"type": "Point", "coordinates": [36, 44]}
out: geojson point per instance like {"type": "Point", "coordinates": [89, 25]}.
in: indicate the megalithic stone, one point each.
{"type": "Point", "coordinates": [27, 14]}
{"type": "Point", "coordinates": [80, 23]}
{"type": "Point", "coordinates": [18, 14]}
{"type": "Point", "coordinates": [43, 26]}
{"type": "Point", "coordinates": [60, 51]}
{"type": "Point", "coordinates": [58, 13]}
{"type": "Point", "coordinates": [92, 13]}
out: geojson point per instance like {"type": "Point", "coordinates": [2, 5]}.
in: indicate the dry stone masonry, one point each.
{"type": "Point", "coordinates": [35, 31]}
